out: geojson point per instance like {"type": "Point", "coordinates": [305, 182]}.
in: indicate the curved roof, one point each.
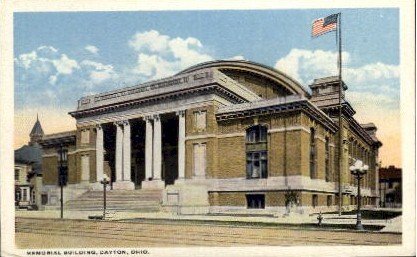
{"type": "Point", "coordinates": [281, 78]}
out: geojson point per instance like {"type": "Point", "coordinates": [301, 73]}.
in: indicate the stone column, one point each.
{"type": "Point", "coordinates": [99, 153]}
{"type": "Point", "coordinates": [119, 152]}
{"type": "Point", "coordinates": [148, 148]}
{"type": "Point", "coordinates": [157, 148]}
{"type": "Point", "coordinates": [181, 144]}
{"type": "Point", "coordinates": [126, 151]}
{"type": "Point", "coordinates": [123, 181]}
{"type": "Point", "coordinates": [153, 154]}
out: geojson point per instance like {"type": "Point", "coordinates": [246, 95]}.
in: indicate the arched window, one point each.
{"type": "Point", "coordinates": [256, 152]}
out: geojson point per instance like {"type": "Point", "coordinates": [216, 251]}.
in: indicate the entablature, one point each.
{"type": "Point", "coordinates": [276, 105]}
{"type": "Point", "coordinates": [199, 82]}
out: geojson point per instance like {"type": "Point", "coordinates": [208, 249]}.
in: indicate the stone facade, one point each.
{"type": "Point", "coordinates": [238, 136]}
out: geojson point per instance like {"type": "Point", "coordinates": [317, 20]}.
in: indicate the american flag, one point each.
{"type": "Point", "coordinates": [324, 25]}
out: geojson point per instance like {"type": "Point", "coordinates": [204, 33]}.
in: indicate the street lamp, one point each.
{"type": "Point", "coordinates": [104, 181]}
{"type": "Point", "coordinates": [358, 170]}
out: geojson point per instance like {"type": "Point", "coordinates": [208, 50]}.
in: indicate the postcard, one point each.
{"type": "Point", "coordinates": [207, 128]}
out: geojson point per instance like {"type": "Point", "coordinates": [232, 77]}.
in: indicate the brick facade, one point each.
{"type": "Point", "coordinates": [297, 129]}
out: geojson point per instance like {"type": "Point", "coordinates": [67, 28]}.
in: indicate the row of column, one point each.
{"type": "Point", "coordinates": [153, 149]}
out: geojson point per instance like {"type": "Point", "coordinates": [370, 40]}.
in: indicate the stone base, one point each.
{"type": "Point", "coordinates": [180, 181]}
{"type": "Point", "coordinates": [186, 199]}
{"type": "Point", "coordinates": [97, 186]}
{"type": "Point", "coordinates": [123, 185]}
{"type": "Point", "coordinates": [153, 184]}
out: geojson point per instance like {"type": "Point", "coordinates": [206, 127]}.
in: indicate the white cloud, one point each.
{"type": "Point", "coordinates": [160, 55]}
{"type": "Point", "coordinates": [305, 65]}
{"type": "Point", "coordinates": [92, 49]}
{"type": "Point", "coordinates": [373, 71]}
{"type": "Point", "coordinates": [149, 40]}
{"type": "Point", "coordinates": [65, 65]}
{"type": "Point", "coordinates": [25, 60]}
{"type": "Point", "coordinates": [52, 79]}
{"type": "Point", "coordinates": [100, 72]}
{"type": "Point", "coordinates": [237, 58]}
{"type": "Point", "coordinates": [48, 49]}
{"type": "Point", "coordinates": [47, 77]}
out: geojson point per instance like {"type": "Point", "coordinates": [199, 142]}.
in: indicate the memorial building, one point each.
{"type": "Point", "coordinates": [218, 137]}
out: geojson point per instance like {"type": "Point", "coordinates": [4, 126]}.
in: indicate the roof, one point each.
{"type": "Point", "coordinates": [369, 126]}
{"type": "Point", "coordinates": [390, 173]}
{"type": "Point", "coordinates": [60, 135]}
{"type": "Point", "coordinates": [284, 80]}
{"type": "Point", "coordinates": [62, 138]}
{"type": "Point", "coordinates": [37, 128]}
{"type": "Point", "coordinates": [327, 80]}
{"type": "Point", "coordinates": [30, 154]}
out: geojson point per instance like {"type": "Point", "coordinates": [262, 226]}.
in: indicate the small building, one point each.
{"type": "Point", "coordinates": [390, 187]}
{"type": "Point", "coordinates": [219, 137]}
{"type": "Point", "coordinates": [28, 171]}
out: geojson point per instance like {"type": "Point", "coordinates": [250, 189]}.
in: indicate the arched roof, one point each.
{"type": "Point", "coordinates": [252, 67]}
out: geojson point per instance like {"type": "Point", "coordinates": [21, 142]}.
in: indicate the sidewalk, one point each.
{"type": "Point", "coordinates": [393, 225]}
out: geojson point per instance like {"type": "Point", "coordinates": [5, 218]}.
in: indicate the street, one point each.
{"type": "Point", "coordinates": [55, 233]}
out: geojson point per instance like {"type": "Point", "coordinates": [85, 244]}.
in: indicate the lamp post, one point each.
{"type": "Point", "coordinates": [104, 181]}
{"type": "Point", "coordinates": [358, 170]}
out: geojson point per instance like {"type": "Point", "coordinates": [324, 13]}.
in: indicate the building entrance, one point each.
{"type": "Point", "coordinates": [169, 148]}
{"type": "Point", "coordinates": [138, 152]}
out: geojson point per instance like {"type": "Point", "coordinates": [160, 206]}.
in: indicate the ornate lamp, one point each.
{"type": "Point", "coordinates": [358, 170]}
{"type": "Point", "coordinates": [105, 181]}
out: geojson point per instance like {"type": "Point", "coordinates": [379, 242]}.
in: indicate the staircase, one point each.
{"type": "Point", "coordinates": [136, 200]}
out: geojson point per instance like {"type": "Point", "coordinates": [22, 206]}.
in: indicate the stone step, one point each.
{"type": "Point", "coordinates": [143, 200]}
{"type": "Point", "coordinates": [115, 207]}
{"type": "Point", "coordinates": [118, 199]}
{"type": "Point", "coordinates": [127, 192]}
{"type": "Point", "coordinates": [112, 206]}
{"type": "Point", "coordinates": [140, 203]}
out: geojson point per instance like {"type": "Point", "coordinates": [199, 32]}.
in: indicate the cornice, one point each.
{"type": "Point", "coordinates": [212, 88]}
{"type": "Point", "coordinates": [271, 106]}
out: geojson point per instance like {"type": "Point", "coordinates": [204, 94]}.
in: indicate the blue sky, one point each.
{"type": "Point", "coordinates": [60, 57]}
{"type": "Point", "coordinates": [369, 35]}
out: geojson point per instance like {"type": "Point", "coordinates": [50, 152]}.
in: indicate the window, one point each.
{"type": "Point", "coordinates": [312, 154]}
{"type": "Point", "coordinates": [63, 155]}
{"type": "Point", "coordinates": [18, 195]}
{"type": "Point", "coordinates": [200, 120]}
{"type": "Point", "coordinates": [390, 185]}
{"type": "Point", "coordinates": [255, 201]}
{"type": "Point", "coordinates": [315, 201]}
{"type": "Point", "coordinates": [327, 159]}
{"type": "Point", "coordinates": [199, 153]}
{"type": "Point", "coordinates": [16, 174]}
{"type": "Point", "coordinates": [44, 199]}
{"type": "Point", "coordinates": [256, 134]}
{"type": "Point", "coordinates": [329, 200]}
{"type": "Point", "coordinates": [85, 136]}
{"type": "Point", "coordinates": [256, 152]}
{"type": "Point", "coordinates": [33, 197]}
{"type": "Point", "coordinates": [256, 164]}
{"type": "Point", "coordinates": [24, 194]}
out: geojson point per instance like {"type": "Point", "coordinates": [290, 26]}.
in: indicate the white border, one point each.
{"type": "Point", "coordinates": [407, 22]}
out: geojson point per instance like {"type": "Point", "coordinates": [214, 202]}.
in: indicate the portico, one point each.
{"type": "Point", "coordinates": [155, 172]}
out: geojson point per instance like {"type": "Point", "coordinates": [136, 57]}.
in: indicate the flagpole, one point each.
{"type": "Point", "coordinates": [339, 27]}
